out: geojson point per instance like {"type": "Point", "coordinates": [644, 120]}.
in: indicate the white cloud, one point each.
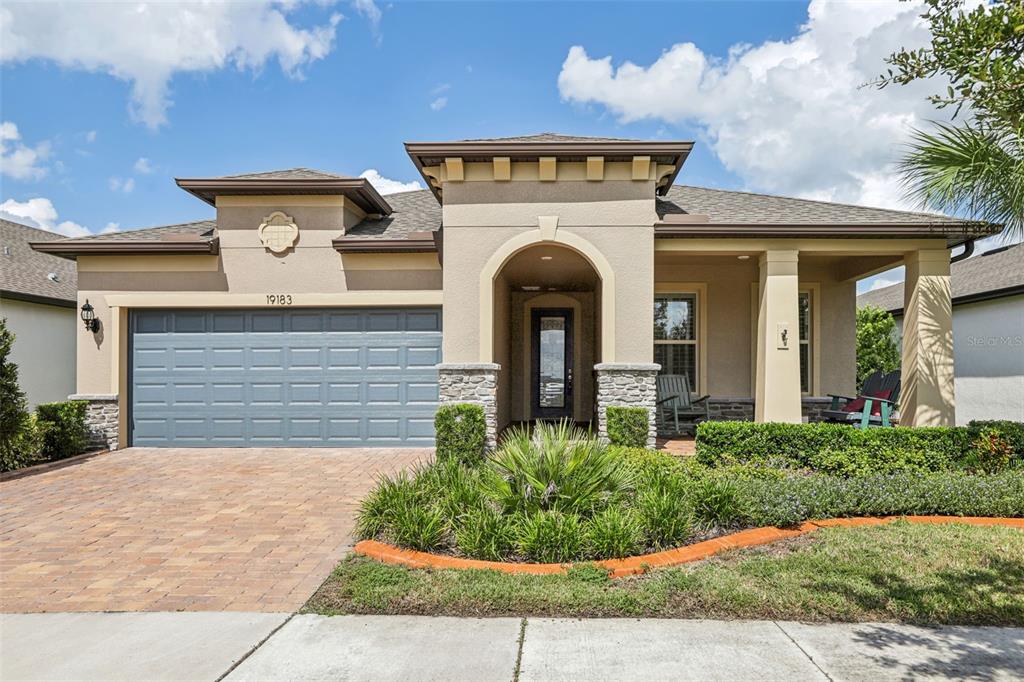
{"type": "Point", "coordinates": [18, 160]}
{"type": "Point", "coordinates": [439, 103]}
{"type": "Point", "coordinates": [387, 185]}
{"type": "Point", "coordinates": [143, 166]}
{"type": "Point", "coordinates": [90, 136]}
{"type": "Point", "coordinates": [118, 185]}
{"type": "Point", "coordinates": [111, 227]}
{"type": "Point", "coordinates": [40, 212]}
{"type": "Point", "coordinates": [372, 13]}
{"type": "Point", "coordinates": [787, 117]}
{"type": "Point", "coordinates": [146, 44]}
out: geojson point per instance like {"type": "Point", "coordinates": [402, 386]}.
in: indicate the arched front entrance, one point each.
{"type": "Point", "coordinates": [547, 307]}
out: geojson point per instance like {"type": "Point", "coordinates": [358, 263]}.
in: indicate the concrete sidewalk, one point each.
{"type": "Point", "coordinates": [194, 646]}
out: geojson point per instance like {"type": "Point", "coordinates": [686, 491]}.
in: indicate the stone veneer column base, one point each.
{"type": "Point", "coordinates": [626, 385]}
{"type": "Point", "coordinates": [102, 418]}
{"type": "Point", "coordinates": [476, 383]}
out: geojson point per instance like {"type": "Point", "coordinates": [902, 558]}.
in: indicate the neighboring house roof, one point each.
{"type": "Point", "coordinates": [197, 237]}
{"type": "Point", "coordinates": [29, 275]}
{"type": "Point", "coordinates": [993, 274]}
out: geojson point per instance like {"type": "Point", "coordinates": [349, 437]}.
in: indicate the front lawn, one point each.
{"type": "Point", "coordinates": [942, 574]}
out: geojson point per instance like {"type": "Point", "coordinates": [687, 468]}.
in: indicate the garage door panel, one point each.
{"type": "Point", "coordinates": [299, 377]}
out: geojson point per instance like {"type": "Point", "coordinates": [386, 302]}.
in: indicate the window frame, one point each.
{"type": "Point", "coordinates": [699, 292]}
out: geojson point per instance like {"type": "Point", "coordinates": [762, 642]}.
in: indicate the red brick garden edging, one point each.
{"type": "Point", "coordinates": [619, 568]}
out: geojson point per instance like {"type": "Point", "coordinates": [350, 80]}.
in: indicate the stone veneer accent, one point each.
{"type": "Point", "coordinates": [626, 385]}
{"type": "Point", "coordinates": [477, 383]}
{"type": "Point", "coordinates": [102, 418]}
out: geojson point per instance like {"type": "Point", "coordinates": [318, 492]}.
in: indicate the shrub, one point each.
{"type": "Point", "coordinates": [558, 467]}
{"type": "Point", "coordinates": [483, 533]}
{"type": "Point", "coordinates": [833, 448]}
{"type": "Point", "coordinates": [67, 434]}
{"type": "Point", "coordinates": [377, 510]}
{"type": "Point", "coordinates": [990, 453]}
{"type": "Point", "coordinates": [613, 533]}
{"type": "Point", "coordinates": [25, 447]}
{"type": "Point", "coordinates": [419, 526]}
{"type": "Point", "coordinates": [628, 426]}
{"type": "Point", "coordinates": [551, 537]}
{"type": "Point", "coordinates": [718, 502]}
{"type": "Point", "coordinates": [666, 519]}
{"type": "Point", "coordinates": [1012, 432]}
{"type": "Point", "coordinates": [17, 440]}
{"type": "Point", "coordinates": [460, 432]}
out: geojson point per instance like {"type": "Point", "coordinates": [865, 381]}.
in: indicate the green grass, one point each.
{"type": "Point", "coordinates": [926, 574]}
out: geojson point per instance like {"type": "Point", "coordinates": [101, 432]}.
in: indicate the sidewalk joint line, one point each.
{"type": "Point", "coordinates": [519, 650]}
{"type": "Point", "coordinates": [256, 646]}
{"type": "Point", "coordinates": [802, 650]}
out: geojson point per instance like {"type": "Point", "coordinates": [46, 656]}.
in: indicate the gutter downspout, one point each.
{"type": "Point", "coordinates": [967, 252]}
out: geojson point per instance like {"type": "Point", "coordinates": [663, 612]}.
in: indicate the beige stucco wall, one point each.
{"type": "Point", "coordinates": [44, 348]}
{"type": "Point", "coordinates": [614, 218]}
{"type": "Point", "coordinates": [730, 299]}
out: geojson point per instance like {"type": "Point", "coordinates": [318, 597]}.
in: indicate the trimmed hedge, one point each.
{"type": "Point", "coordinates": [1011, 432]}
{"type": "Point", "coordinates": [66, 433]}
{"type": "Point", "coordinates": [460, 433]}
{"type": "Point", "coordinates": [833, 448]}
{"type": "Point", "coordinates": [628, 426]}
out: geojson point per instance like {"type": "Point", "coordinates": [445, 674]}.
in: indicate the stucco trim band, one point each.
{"type": "Point", "coordinates": [299, 300]}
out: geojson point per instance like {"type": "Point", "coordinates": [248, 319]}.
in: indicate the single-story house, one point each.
{"type": "Point", "coordinates": [544, 276]}
{"type": "Point", "coordinates": [38, 300]}
{"type": "Point", "coordinates": [988, 332]}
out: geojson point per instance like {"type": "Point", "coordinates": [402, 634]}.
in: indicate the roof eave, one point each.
{"type": "Point", "coordinates": [36, 298]}
{"type": "Point", "coordinates": [679, 150]}
{"type": "Point", "coordinates": [954, 233]}
{"type": "Point", "coordinates": [359, 190]}
{"type": "Point", "coordinates": [385, 245]}
{"type": "Point", "coordinates": [123, 247]}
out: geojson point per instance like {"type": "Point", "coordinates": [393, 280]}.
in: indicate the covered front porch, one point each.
{"type": "Point", "coordinates": [765, 328]}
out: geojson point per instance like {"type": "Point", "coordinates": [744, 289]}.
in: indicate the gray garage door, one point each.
{"type": "Point", "coordinates": [297, 377]}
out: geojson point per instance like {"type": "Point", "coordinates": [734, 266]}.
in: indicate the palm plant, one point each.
{"type": "Point", "coordinates": [557, 467]}
{"type": "Point", "coordinates": [972, 169]}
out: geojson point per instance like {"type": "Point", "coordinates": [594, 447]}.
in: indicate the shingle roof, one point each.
{"type": "Point", "coordinates": [290, 174]}
{"type": "Point", "coordinates": [551, 137]}
{"type": "Point", "coordinates": [732, 207]}
{"type": "Point", "coordinates": [206, 229]}
{"type": "Point", "coordinates": [27, 272]}
{"type": "Point", "coordinates": [415, 211]}
{"type": "Point", "coordinates": [992, 271]}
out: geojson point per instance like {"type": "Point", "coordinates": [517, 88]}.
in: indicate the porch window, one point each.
{"type": "Point", "coordinates": [805, 341]}
{"type": "Point", "coordinates": [675, 335]}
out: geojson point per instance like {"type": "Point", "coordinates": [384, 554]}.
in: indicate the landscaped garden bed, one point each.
{"type": "Point", "coordinates": [556, 495]}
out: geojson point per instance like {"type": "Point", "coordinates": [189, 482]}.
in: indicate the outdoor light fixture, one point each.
{"type": "Point", "coordinates": [89, 318]}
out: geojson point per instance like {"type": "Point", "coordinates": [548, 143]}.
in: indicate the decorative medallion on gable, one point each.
{"type": "Point", "coordinates": [278, 232]}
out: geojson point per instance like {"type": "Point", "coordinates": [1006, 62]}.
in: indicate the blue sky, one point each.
{"type": "Point", "coordinates": [378, 75]}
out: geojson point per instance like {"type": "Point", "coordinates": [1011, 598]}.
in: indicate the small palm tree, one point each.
{"type": "Point", "coordinates": [973, 169]}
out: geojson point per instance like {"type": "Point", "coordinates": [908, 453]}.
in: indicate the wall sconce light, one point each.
{"type": "Point", "coordinates": [89, 318]}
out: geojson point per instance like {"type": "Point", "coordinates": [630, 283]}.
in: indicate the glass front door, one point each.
{"type": "Point", "coordinates": [552, 363]}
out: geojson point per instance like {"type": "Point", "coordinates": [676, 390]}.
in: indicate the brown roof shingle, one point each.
{"type": "Point", "coordinates": [551, 137]}
{"type": "Point", "coordinates": [24, 272]}
{"type": "Point", "coordinates": [997, 270]}
{"type": "Point", "coordinates": [290, 174]}
{"type": "Point", "coordinates": [415, 211]}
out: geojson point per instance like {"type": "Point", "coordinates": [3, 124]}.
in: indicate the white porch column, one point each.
{"type": "Point", "coordinates": [777, 395]}
{"type": "Point", "coordinates": [926, 398]}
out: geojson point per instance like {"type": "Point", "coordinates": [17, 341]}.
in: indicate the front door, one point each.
{"type": "Point", "coordinates": [551, 353]}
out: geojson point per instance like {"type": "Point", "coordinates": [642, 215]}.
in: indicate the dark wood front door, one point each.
{"type": "Point", "coordinates": [551, 355]}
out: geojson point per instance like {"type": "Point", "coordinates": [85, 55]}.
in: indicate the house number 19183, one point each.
{"type": "Point", "coordinates": [279, 299]}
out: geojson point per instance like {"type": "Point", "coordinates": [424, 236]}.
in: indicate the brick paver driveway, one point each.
{"type": "Point", "coordinates": [148, 529]}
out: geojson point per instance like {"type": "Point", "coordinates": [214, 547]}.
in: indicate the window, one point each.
{"type": "Point", "coordinates": [805, 341]}
{"type": "Point", "coordinates": [675, 335]}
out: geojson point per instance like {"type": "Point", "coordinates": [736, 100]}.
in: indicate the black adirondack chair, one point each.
{"type": "Point", "coordinates": [859, 411]}
{"type": "Point", "coordinates": [676, 401]}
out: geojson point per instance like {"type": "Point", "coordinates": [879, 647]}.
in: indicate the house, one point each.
{"type": "Point", "coordinates": [988, 332]}
{"type": "Point", "coordinates": [37, 297]}
{"type": "Point", "coordinates": [544, 276]}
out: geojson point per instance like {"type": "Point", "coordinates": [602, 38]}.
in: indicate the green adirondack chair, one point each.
{"type": "Point", "coordinates": [676, 401]}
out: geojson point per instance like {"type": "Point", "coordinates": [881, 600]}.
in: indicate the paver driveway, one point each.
{"type": "Point", "coordinates": [147, 529]}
